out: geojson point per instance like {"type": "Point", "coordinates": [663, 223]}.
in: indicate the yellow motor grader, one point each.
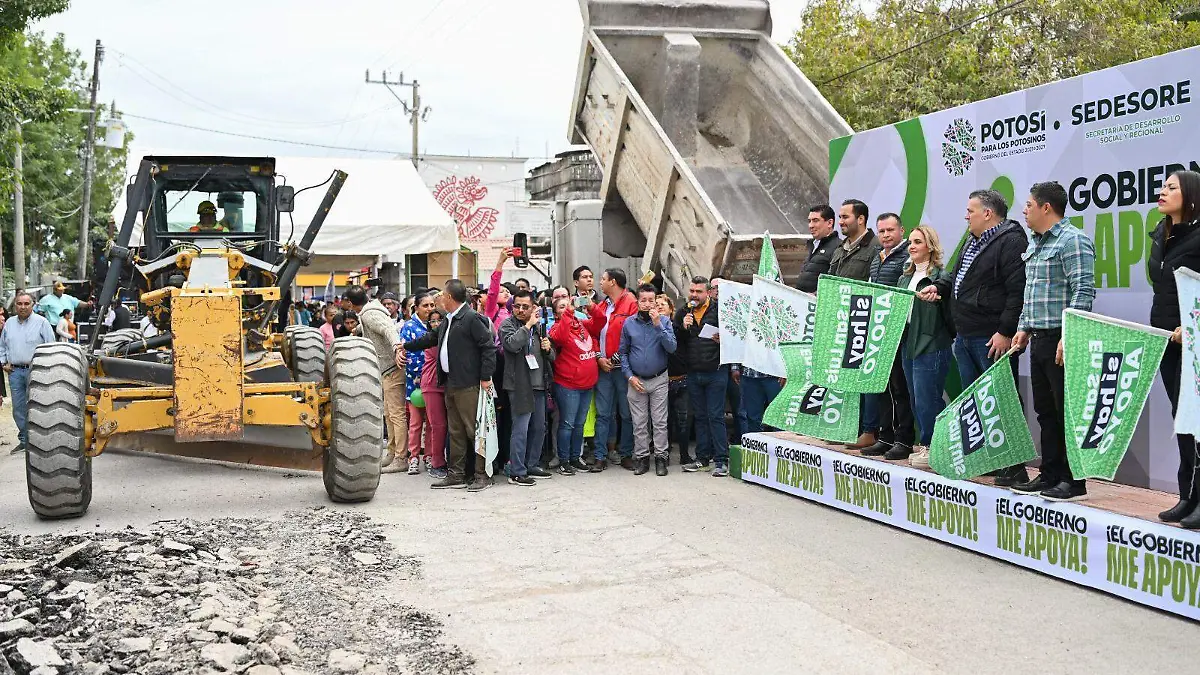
{"type": "Point", "coordinates": [210, 369]}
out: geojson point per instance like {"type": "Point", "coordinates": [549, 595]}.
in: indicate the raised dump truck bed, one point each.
{"type": "Point", "coordinates": [707, 134]}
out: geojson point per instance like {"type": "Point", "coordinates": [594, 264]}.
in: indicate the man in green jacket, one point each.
{"type": "Point", "coordinates": [852, 260]}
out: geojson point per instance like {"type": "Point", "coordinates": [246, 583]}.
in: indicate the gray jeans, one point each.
{"type": "Point", "coordinates": [649, 411]}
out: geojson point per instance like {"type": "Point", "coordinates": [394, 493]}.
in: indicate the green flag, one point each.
{"type": "Point", "coordinates": [768, 264]}
{"type": "Point", "coordinates": [1110, 366]}
{"type": "Point", "coordinates": [806, 408]}
{"type": "Point", "coordinates": [984, 429]}
{"type": "Point", "coordinates": [859, 326]}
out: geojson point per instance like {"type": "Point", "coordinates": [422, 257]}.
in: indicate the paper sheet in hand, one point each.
{"type": "Point", "coordinates": [708, 331]}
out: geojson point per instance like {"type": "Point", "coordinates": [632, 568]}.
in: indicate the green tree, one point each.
{"type": "Point", "coordinates": [1033, 43]}
{"type": "Point", "coordinates": [53, 151]}
{"type": "Point", "coordinates": [21, 95]}
{"type": "Point", "coordinates": [15, 15]}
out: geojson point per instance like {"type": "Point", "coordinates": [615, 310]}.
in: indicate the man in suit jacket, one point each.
{"type": "Point", "coordinates": [466, 363]}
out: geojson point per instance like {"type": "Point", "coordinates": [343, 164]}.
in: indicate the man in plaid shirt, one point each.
{"type": "Point", "coordinates": [1059, 273]}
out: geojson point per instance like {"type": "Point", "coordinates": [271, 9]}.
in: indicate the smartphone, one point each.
{"type": "Point", "coordinates": [581, 302]}
{"type": "Point", "coordinates": [520, 243]}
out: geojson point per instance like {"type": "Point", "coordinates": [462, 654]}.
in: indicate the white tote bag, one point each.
{"type": "Point", "coordinates": [487, 442]}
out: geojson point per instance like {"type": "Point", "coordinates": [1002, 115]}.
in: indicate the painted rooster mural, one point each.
{"type": "Point", "coordinates": [459, 199]}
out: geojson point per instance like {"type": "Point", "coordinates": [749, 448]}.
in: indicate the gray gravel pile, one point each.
{"type": "Point", "coordinates": [303, 594]}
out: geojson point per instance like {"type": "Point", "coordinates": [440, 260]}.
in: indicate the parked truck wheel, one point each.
{"type": "Point", "coordinates": [305, 354]}
{"type": "Point", "coordinates": [119, 338]}
{"type": "Point", "coordinates": [351, 462]}
{"type": "Point", "coordinates": [58, 473]}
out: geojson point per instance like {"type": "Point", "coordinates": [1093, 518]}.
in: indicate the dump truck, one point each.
{"type": "Point", "coordinates": [218, 367]}
{"type": "Point", "coordinates": [707, 135]}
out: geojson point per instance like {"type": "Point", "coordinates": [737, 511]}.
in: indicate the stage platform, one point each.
{"type": "Point", "coordinates": [1112, 542]}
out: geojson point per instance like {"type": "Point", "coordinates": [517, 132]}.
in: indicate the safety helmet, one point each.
{"type": "Point", "coordinates": [206, 207]}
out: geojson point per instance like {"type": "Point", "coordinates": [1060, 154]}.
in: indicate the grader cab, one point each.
{"type": "Point", "coordinates": [211, 370]}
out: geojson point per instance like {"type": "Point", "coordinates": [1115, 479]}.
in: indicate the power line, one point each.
{"type": "Point", "coordinates": [435, 36]}
{"type": "Point", "coordinates": [394, 153]}
{"type": "Point", "coordinates": [926, 41]}
{"type": "Point", "coordinates": [412, 28]}
{"type": "Point", "coordinates": [261, 138]}
{"type": "Point", "coordinates": [233, 116]}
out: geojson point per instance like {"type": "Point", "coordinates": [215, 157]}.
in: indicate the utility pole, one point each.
{"type": "Point", "coordinates": [18, 213]}
{"type": "Point", "coordinates": [414, 111]}
{"type": "Point", "coordinates": [89, 161]}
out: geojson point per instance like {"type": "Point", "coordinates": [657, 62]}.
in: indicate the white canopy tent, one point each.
{"type": "Point", "coordinates": [383, 212]}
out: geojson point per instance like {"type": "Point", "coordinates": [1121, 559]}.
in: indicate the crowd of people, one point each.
{"type": "Point", "coordinates": [584, 379]}
{"type": "Point", "coordinates": [603, 375]}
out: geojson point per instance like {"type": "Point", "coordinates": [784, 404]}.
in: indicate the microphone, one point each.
{"type": "Point", "coordinates": [692, 304]}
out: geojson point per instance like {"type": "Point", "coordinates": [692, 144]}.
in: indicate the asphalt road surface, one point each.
{"type": "Point", "coordinates": [683, 574]}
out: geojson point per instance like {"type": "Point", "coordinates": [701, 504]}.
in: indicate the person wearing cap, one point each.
{"type": "Point", "coordinates": [52, 305]}
{"type": "Point", "coordinates": [208, 219]}
{"type": "Point", "coordinates": [392, 304]}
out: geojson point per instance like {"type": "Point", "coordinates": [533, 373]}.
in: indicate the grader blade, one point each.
{"type": "Point", "coordinates": [299, 458]}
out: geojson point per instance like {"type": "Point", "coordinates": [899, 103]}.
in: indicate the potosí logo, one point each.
{"type": "Point", "coordinates": [958, 147]}
{"type": "Point", "coordinates": [1013, 131]}
{"type": "Point", "coordinates": [1131, 103]}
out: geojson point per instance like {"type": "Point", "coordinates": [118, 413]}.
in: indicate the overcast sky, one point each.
{"type": "Point", "coordinates": [497, 74]}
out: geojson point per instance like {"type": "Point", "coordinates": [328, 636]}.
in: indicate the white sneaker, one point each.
{"type": "Point", "coordinates": [414, 466]}
{"type": "Point", "coordinates": [919, 457]}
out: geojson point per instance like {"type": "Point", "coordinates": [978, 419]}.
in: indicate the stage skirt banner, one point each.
{"type": "Point", "coordinates": [1146, 562]}
{"type": "Point", "coordinates": [858, 331]}
{"type": "Point", "coordinates": [810, 409]}
{"type": "Point", "coordinates": [1110, 365]}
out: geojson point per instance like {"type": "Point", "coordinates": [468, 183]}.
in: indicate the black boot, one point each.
{"type": "Point", "coordinates": [1178, 512]}
{"type": "Point", "coordinates": [660, 467]}
{"type": "Point", "coordinates": [642, 466]}
{"type": "Point", "coordinates": [1191, 522]}
{"type": "Point", "coordinates": [1011, 476]}
{"type": "Point", "coordinates": [878, 450]}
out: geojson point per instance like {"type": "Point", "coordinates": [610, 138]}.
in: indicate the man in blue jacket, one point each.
{"type": "Point", "coordinates": [646, 341]}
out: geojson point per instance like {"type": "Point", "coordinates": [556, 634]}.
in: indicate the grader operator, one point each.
{"type": "Point", "coordinates": [217, 368]}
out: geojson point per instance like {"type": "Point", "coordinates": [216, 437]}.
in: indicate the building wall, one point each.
{"type": "Point", "coordinates": [476, 191]}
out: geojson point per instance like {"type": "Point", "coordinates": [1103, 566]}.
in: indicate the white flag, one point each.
{"type": "Point", "coordinates": [779, 315]}
{"type": "Point", "coordinates": [734, 315]}
{"type": "Point", "coordinates": [329, 289]}
{"type": "Point", "coordinates": [1187, 414]}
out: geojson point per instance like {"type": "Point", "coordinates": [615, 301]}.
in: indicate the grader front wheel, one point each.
{"type": "Point", "coordinates": [58, 473]}
{"type": "Point", "coordinates": [351, 462]}
{"type": "Point", "coordinates": [305, 354]}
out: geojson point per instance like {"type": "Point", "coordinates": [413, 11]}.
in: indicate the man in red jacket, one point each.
{"type": "Point", "coordinates": [605, 323]}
